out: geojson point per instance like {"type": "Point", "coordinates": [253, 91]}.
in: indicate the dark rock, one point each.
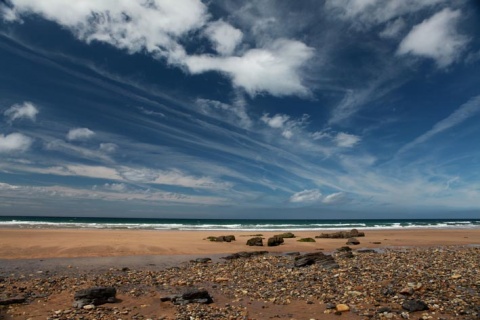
{"type": "Point", "coordinates": [190, 296]}
{"type": "Point", "coordinates": [344, 252]}
{"type": "Point", "coordinates": [12, 300]}
{"type": "Point", "coordinates": [388, 291]}
{"type": "Point", "coordinates": [244, 254]}
{"type": "Point", "coordinates": [366, 251]}
{"type": "Point", "coordinates": [275, 241]}
{"type": "Point", "coordinates": [384, 309]}
{"type": "Point", "coordinates": [228, 238]}
{"type": "Point", "coordinates": [342, 234]}
{"type": "Point", "coordinates": [286, 235]}
{"type": "Point", "coordinates": [414, 305]}
{"type": "Point", "coordinates": [95, 296]}
{"type": "Point", "coordinates": [296, 253]}
{"type": "Point", "coordinates": [201, 260]}
{"type": "Point", "coordinates": [352, 241]}
{"type": "Point", "coordinates": [256, 241]}
{"type": "Point", "coordinates": [330, 305]}
{"type": "Point", "coordinates": [306, 240]}
{"type": "Point", "coordinates": [307, 259]}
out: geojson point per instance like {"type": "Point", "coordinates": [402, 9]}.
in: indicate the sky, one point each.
{"type": "Point", "coordinates": [240, 109]}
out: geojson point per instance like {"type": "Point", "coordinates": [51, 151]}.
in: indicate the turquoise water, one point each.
{"type": "Point", "coordinates": [234, 225]}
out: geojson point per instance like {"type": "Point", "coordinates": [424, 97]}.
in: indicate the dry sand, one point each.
{"type": "Point", "coordinates": [56, 243]}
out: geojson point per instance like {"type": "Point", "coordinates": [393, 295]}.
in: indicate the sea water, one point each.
{"type": "Point", "coordinates": [233, 224]}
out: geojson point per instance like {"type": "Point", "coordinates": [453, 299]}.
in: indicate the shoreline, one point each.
{"type": "Point", "coordinates": [18, 243]}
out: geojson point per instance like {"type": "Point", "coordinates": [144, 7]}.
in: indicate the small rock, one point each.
{"type": "Point", "coordinates": [342, 307]}
{"type": "Point", "coordinates": [352, 241]}
{"type": "Point", "coordinates": [414, 305]}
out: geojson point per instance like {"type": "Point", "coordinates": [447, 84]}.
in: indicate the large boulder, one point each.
{"type": "Point", "coordinates": [320, 258]}
{"type": "Point", "coordinates": [228, 238]}
{"type": "Point", "coordinates": [342, 234]}
{"type": "Point", "coordinates": [275, 241]}
{"type": "Point", "coordinates": [255, 241]}
{"type": "Point", "coordinates": [286, 235]}
{"type": "Point", "coordinates": [95, 296]}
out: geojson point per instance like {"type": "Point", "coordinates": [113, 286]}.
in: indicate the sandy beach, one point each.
{"type": "Point", "coordinates": [56, 243]}
{"type": "Point", "coordinates": [46, 267]}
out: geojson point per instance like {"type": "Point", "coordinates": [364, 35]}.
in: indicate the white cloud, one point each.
{"type": "Point", "coordinates": [106, 193]}
{"type": "Point", "coordinates": [73, 150]}
{"type": "Point", "coordinates": [235, 113]}
{"type": "Point", "coordinates": [465, 111]}
{"type": "Point", "coordinates": [319, 135]}
{"type": "Point", "coordinates": [306, 196]}
{"type": "Point", "coordinates": [346, 140]}
{"type": "Point", "coordinates": [80, 134]}
{"type": "Point", "coordinates": [283, 122]}
{"type": "Point", "coordinates": [14, 142]}
{"type": "Point", "coordinates": [108, 147]}
{"type": "Point", "coordinates": [158, 27]}
{"type": "Point", "coordinates": [372, 12]}
{"type": "Point", "coordinates": [277, 121]}
{"type": "Point", "coordinates": [26, 110]}
{"type": "Point", "coordinates": [117, 187]}
{"type": "Point", "coordinates": [436, 38]}
{"type": "Point", "coordinates": [171, 177]}
{"type": "Point", "coordinates": [393, 29]}
{"type": "Point", "coordinates": [334, 198]}
{"type": "Point", "coordinates": [132, 25]}
{"type": "Point", "coordinates": [224, 37]}
{"type": "Point", "coordinates": [276, 69]}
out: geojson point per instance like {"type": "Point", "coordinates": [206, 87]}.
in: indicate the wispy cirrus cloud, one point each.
{"type": "Point", "coordinates": [105, 193]}
{"type": "Point", "coordinates": [465, 111]}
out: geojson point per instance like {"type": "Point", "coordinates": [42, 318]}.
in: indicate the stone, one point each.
{"type": "Point", "coordinates": [13, 300]}
{"type": "Point", "coordinates": [307, 259]}
{"type": "Point", "coordinates": [244, 254]}
{"type": "Point", "coordinates": [192, 295]}
{"type": "Point", "coordinates": [352, 241]}
{"type": "Point", "coordinates": [414, 305]}
{"type": "Point", "coordinates": [342, 307]}
{"type": "Point", "coordinates": [255, 241]}
{"type": "Point", "coordinates": [95, 296]}
{"type": "Point", "coordinates": [228, 238]}
{"type": "Point", "coordinates": [406, 291]}
{"type": "Point", "coordinates": [342, 234]}
{"type": "Point", "coordinates": [286, 235]}
{"type": "Point", "coordinates": [306, 240]}
{"type": "Point", "coordinates": [202, 260]}
{"type": "Point", "coordinates": [275, 241]}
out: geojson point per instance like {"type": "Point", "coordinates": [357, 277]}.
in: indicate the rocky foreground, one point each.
{"type": "Point", "coordinates": [417, 283]}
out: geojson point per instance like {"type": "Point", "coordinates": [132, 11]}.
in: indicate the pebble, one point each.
{"type": "Point", "coordinates": [446, 280]}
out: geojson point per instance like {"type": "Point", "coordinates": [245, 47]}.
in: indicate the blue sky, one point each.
{"type": "Point", "coordinates": [240, 109]}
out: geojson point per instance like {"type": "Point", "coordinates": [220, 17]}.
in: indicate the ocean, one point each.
{"type": "Point", "coordinates": [232, 225]}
